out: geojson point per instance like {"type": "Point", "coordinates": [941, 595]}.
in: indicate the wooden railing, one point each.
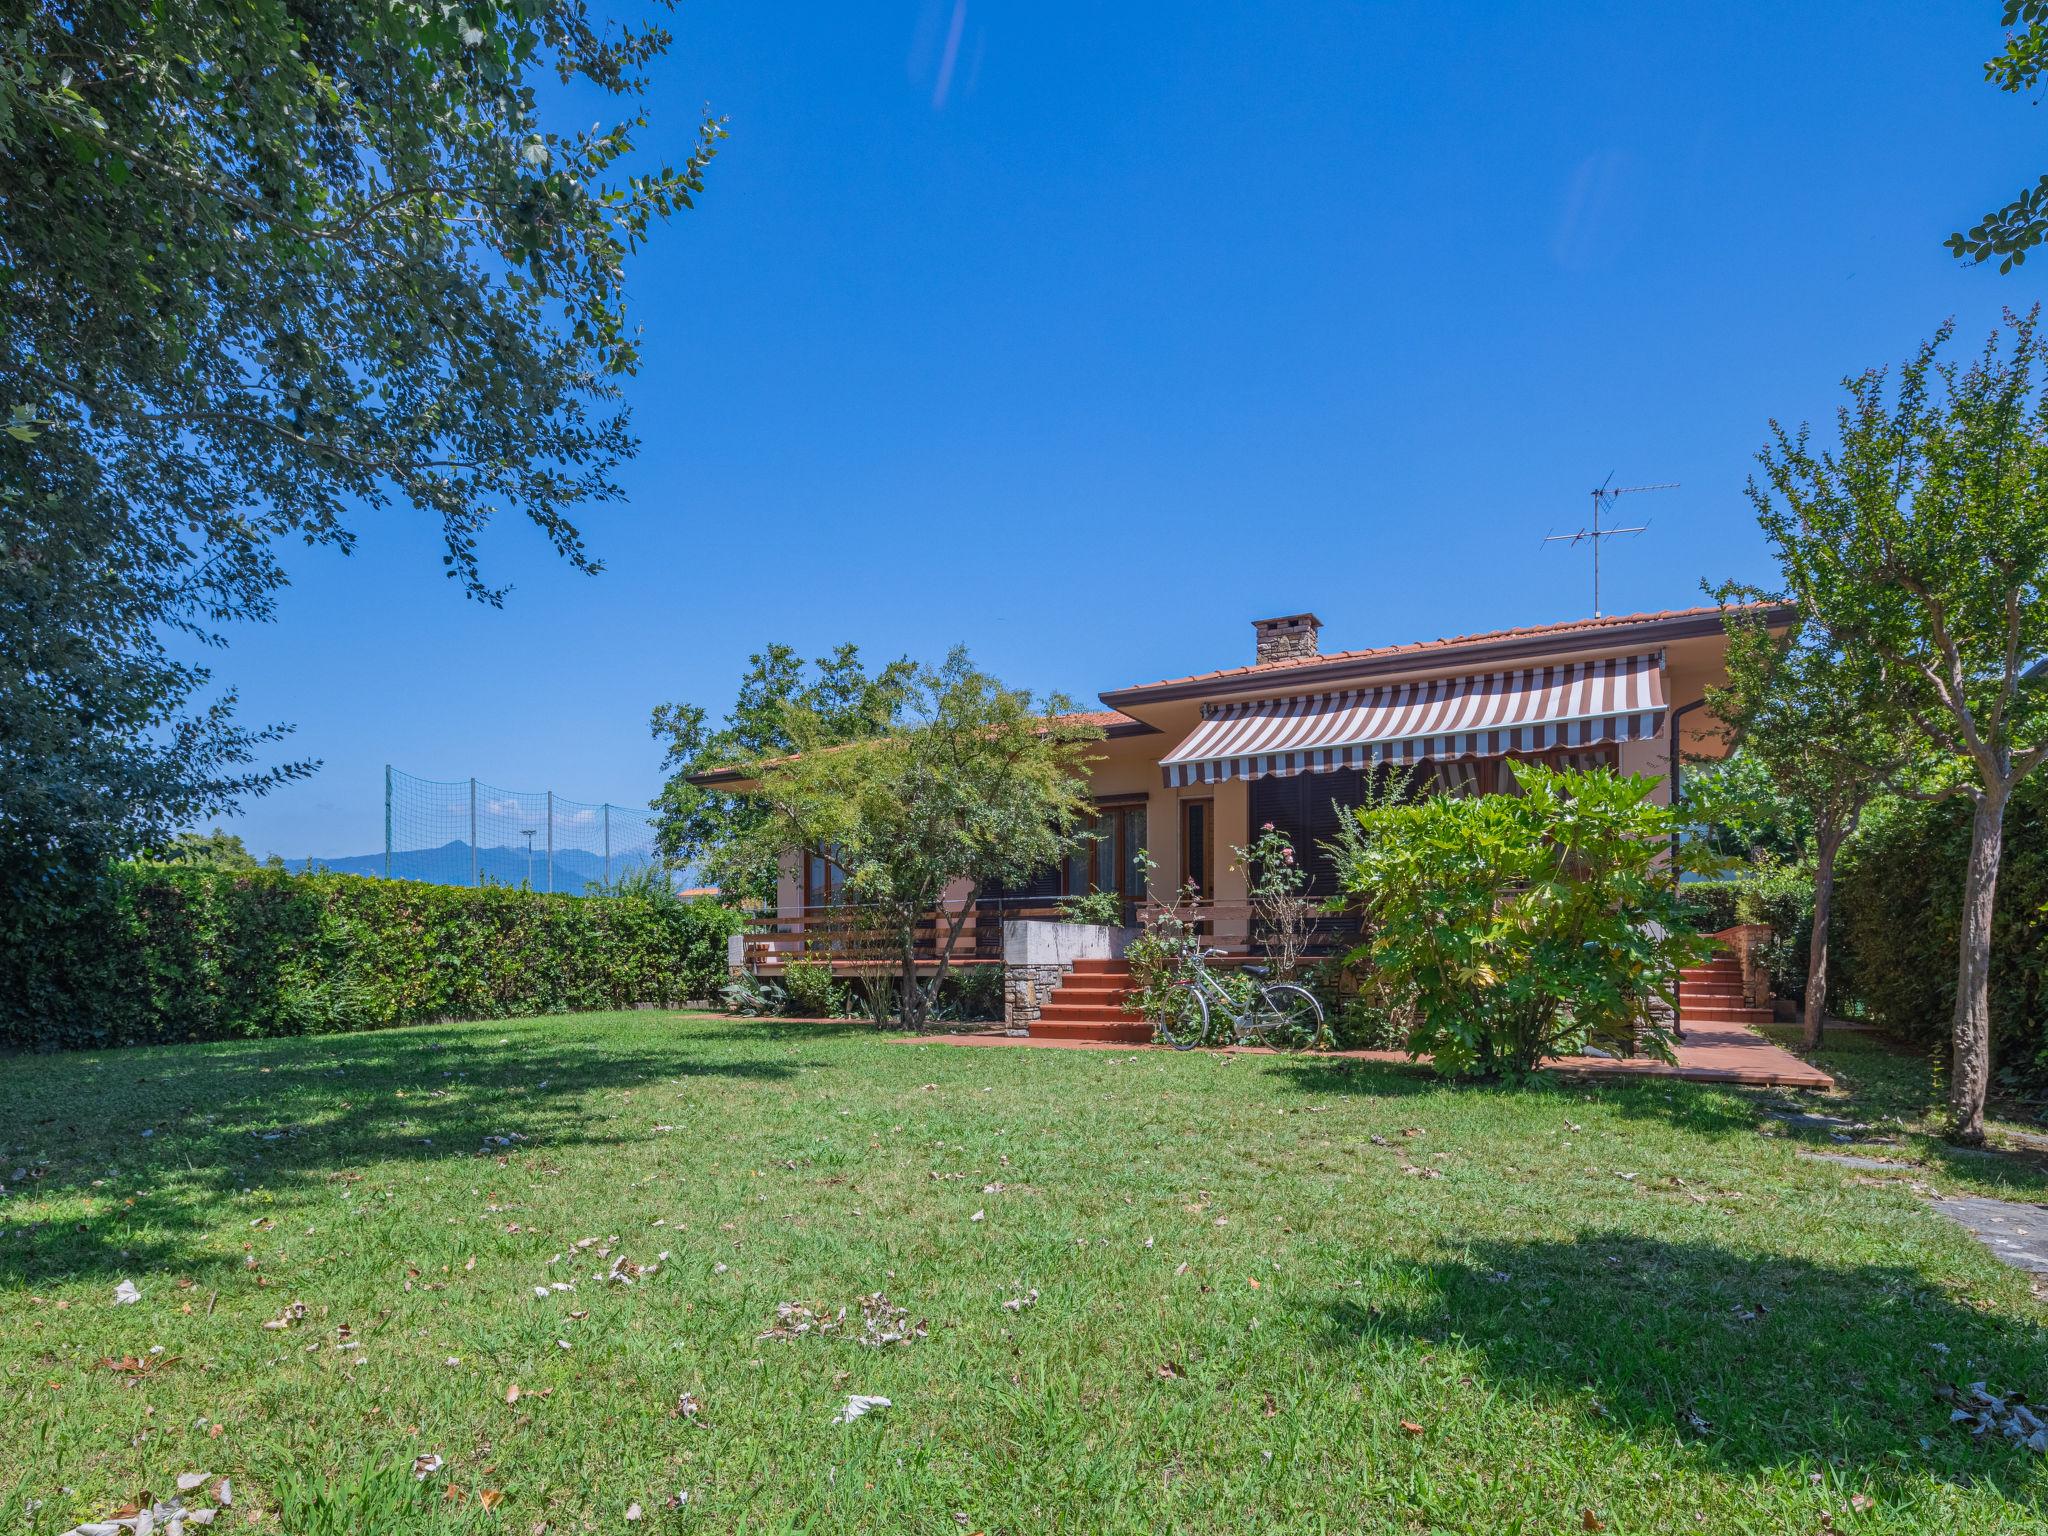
{"type": "Point", "coordinates": [851, 937]}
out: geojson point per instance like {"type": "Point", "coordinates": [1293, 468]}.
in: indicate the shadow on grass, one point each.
{"type": "Point", "coordinates": [153, 1139]}
{"type": "Point", "coordinates": [1757, 1361]}
{"type": "Point", "coordinates": [1695, 1107]}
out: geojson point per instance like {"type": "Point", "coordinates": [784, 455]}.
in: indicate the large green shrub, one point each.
{"type": "Point", "coordinates": [1898, 907]}
{"type": "Point", "coordinates": [159, 953]}
{"type": "Point", "coordinates": [1523, 926]}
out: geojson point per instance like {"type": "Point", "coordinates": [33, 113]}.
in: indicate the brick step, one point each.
{"type": "Point", "coordinates": [1707, 989]}
{"type": "Point", "coordinates": [1101, 968]}
{"type": "Point", "coordinates": [1081, 1013]}
{"type": "Point", "coordinates": [1131, 1031]}
{"type": "Point", "coordinates": [1095, 983]}
{"type": "Point", "coordinates": [1692, 1015]}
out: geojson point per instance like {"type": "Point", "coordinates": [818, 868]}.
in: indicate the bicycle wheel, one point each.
{"type": "Point", "coordinates": [1183, 1020]}
{"type": "Point", "coordinates": [1292, 1014]}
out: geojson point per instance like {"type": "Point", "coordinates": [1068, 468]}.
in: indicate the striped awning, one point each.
{"type": "Point", "coordinates": [1487, 714]}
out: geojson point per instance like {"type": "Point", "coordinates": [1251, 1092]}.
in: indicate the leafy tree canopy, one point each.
{"type": "Point", "coordinates": [2005, 235]}
{"type": "Point", "coordinates": [1916, 546]}
{"type": "Point", "coordinates": [833, 700]}
{"type": "Point", "coordinates": [262, 263]}
{"type": "Point", "coordinates": [975, 786]}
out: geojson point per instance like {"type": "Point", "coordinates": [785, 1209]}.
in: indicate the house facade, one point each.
{"type": "Point", "coordinates": [1190, 767]}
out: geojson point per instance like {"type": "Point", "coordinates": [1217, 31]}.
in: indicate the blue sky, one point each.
{"type": "Point", "coordinates": [1086, 334]}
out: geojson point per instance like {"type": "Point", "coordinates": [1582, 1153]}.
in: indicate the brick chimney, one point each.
{"type": "Point", "coordinates": [1290, 637]}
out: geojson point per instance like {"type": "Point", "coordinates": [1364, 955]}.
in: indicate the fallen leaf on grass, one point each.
{"type": "Point", "coordinates": [125, 1294]}
{"type": "Point", "coordinates": [425, 1466]}
{"type": "Point", "coordinates": [633, 1510]}
{"type": "Point", "coordinates": [1019, 1303]}
{"type": "Point", "coordinates": [1411, 1427]}
{"type": "Point", "coordinates": [1588, 1521]}
{"type": "Point", "coordinates": [490, 1498]}
{"type": "Point", "coordinates": [857, 1405]}
{"type": "Point", "coordinates": [289, 1317]}
{"type": "Point", "coordinates": [687, 1407]}
{"type": "Point", "coordinates": [1171, 1371]}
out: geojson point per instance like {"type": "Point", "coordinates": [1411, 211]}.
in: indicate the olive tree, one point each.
{"type": "Point", "coordinates": [1917, 543]}
{"type": "Point", "coordinates": [974, 785]}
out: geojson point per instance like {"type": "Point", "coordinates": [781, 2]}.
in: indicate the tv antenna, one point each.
{"type": "Point", "coordinates": [1604, 495]}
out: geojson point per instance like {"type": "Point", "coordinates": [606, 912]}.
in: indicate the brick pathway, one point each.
{"type": "Point", "coordinates": [1709, 1053]}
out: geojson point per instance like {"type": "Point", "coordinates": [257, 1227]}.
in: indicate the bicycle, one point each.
{"type": "Point", "coordinates": [1270, 1007]}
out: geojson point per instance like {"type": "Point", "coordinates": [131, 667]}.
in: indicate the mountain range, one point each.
{"type": "Point", "coordinates": [577, 870]}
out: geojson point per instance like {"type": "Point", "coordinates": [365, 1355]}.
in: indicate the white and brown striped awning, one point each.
{"type": "Point", "coordinates": [1487, 714]}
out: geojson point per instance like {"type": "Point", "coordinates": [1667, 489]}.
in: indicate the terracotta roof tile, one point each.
{"type": "Point", "coordinates": [1422, 647]}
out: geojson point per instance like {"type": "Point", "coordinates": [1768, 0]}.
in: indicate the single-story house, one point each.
{"type": "Point", "coordinates": [1190, 766]}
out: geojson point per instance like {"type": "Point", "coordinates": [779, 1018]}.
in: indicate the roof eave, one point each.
{"type": "Point", "coordinates": [1309, 676]}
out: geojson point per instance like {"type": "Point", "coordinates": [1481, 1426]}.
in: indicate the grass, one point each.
{"type": "Point", "coordinates": [1272, 1294]}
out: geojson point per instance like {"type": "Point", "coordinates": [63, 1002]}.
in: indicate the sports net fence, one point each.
{"type": "Point", "coordinates": [467, 832]}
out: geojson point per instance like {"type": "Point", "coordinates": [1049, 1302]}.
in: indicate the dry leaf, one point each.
{"type": "Point", "coordinates": [490, 1498]}
{"type": "Point", "coordinates": [857, 1405]}
{"type": "Point", "coordinates": [1411, 1426]}
{"type": "Point", "coordinates": [1588, 1521]}
{"type": "Point", "coordinates": [424, 1467]}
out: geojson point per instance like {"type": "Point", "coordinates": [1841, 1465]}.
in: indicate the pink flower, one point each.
{"type": "Point", "coordinates": [1267, 827]}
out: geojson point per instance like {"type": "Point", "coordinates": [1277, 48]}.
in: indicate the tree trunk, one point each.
{"type": "Point", "coordinates": [912, 1001]}
{"type": "Point", "coordinates": [1817, 952]}
{"type": "Point", "coordinates": [1970, 1074]}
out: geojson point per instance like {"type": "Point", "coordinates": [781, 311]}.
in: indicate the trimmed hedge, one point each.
{"type": "Point", "coordinates": [1898, 903]}
{"type": "Point", "coordinates": [160, 953]}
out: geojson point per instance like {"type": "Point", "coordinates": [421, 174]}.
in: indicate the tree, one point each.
{"type": "Point", "coordinates": [218, 849]}
{"type": "Point", "coordinates": [1522, 927]}
{"type": "Point", "coordinates": [2008, 233]}
{"type": "Point", "coordinates": [714, 825]}
{"type": "Point", "coordinates": [1810, 715]}
{"type": "Point", "coordinates": [264, 263]}
{"type": "Point", "coordinates": [1918, 544]}
{"type": "Point", "coordinates": [976, 785]}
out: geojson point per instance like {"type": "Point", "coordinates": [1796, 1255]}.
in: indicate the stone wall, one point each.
{"type": "Point", "coordinates": [1025, 989]}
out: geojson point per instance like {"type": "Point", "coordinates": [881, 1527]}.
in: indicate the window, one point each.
{"type": "Point", "coordinates": [824, 880]}
{"type": "Point", "coordinates": [1109, 861]}
{"type": "Point", "coordinates": [1198, 845]}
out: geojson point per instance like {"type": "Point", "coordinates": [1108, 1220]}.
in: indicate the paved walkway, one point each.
{"type": "Point", "coordinates": [1709, 1053]}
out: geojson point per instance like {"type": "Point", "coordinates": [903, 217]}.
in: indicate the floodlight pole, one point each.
{"type": "Point", "coordinates": [551, 842]}
{"type": "Point", "coordinates": [472, 830]}
{"type": "Point", "coordinates": [387, 821]}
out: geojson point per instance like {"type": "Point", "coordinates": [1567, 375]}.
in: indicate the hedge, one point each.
{"type": "Point", "coordinates": [159, 953]}
{"type": "Point", "coordinates": [1898, 904]}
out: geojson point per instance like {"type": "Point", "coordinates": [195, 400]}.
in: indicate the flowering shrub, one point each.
{"type": "Point", "coordinates": [1283, 913]}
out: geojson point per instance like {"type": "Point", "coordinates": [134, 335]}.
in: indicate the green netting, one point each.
{"type": "Point", "coordinates": [467, 832]}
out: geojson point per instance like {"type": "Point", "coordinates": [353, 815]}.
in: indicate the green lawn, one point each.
{"type": "Point", "coordinates": [1272, 1294]}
